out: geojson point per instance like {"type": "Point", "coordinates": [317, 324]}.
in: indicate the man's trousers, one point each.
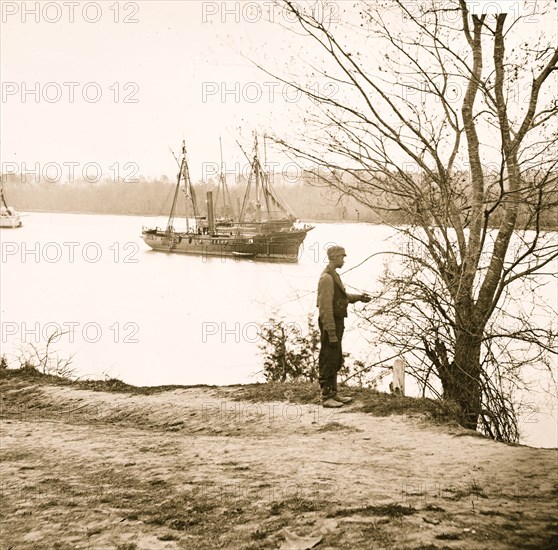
{"type": "Point", "coordinates": [331, 359]}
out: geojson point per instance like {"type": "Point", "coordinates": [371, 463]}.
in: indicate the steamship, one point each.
{"type": "Point", "coordinates": [267, 234]}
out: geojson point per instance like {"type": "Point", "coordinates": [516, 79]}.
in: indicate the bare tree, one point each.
{"type": "Point", "coordinates": [446, 120]}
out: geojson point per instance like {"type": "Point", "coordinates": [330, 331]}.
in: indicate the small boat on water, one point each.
{"type": "Point", "coordinates": [270, 235]}
{"type": "Point", "coordinates": [9, 218]}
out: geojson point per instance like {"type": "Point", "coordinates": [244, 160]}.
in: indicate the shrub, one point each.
{"type": "Point", "coordinates": [290, 354]}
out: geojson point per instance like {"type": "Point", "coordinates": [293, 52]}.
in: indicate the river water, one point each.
{"type": "Point", "coordinates": [151, 318]}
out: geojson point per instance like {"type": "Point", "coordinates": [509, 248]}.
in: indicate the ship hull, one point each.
{"type": "Point", "coordinates": [10, 222]}
{"type": "Point", "coordinates": [280, 246]}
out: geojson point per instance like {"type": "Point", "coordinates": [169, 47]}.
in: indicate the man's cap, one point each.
{"type": "Point", "coordinates": [334, 251]}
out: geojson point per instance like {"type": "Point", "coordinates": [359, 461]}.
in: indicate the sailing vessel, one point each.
{"type": "Point", "coordinates": [270, 235]}
{"type": "Point", "coordinates": [8, 215]}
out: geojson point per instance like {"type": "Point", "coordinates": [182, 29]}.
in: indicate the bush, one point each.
{"type": "Point", "coordinates": [293, 355]}
{"type": "Point", "coordinates": [288, 353]}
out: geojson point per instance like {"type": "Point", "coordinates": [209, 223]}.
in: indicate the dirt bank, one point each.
{"type": "Point", "coordinates": [196, 468]}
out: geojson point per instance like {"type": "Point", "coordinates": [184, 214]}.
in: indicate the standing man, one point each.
{"type": "Point", "coordinates": [333, 300]}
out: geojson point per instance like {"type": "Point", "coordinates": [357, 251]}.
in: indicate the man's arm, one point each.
{"type": "Point", "coordinates": [358, 298]}
{"type": "Point", "coordinates": [353, 298]}
{"type": "Point", "coordinates": [325, 305]}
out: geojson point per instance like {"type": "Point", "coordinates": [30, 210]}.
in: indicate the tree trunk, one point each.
{"type": "Point", "coordinates": [461, 379]}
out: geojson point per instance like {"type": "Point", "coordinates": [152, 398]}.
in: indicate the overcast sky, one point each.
{"type": "Point", "coordinates": [127, 86]}
{"type": "Point", "coordinates": [98, 85]}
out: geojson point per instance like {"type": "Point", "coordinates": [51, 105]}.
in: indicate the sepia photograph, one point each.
{"type": "Point", "coordinates": [279, 274]}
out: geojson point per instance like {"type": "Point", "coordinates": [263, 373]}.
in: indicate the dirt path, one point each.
{"type": "Point", "coordinates": [193, 468]}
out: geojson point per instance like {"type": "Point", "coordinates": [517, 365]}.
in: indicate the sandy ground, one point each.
{"type": "Point", "coordinates": [194, 468]}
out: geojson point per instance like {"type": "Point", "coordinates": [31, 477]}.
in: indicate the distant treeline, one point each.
{"type": "Point", "coordinates": [154, 198]}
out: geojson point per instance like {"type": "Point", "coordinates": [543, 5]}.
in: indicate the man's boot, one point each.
{"type": "Point", "coordinates": [331, 403]}
{"type": "Point", "coordinates": [342, 399]}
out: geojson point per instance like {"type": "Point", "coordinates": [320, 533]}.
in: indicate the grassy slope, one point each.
{"type": "Point", "coordinates": [160, 471]}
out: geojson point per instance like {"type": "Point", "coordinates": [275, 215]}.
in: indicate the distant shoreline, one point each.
{"type": "Point", "coordinates": [302, 220]}
{"type": "Point", "coordinates": [311, 220]}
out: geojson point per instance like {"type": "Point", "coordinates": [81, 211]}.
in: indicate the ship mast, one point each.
{"type": "Point", "coordinates": [262, 180]}
{"type": "Point", "coordinates": [188, 191]}
{"type": "Point", "coordinates": [275, 198]}
{"type": "Point", "coordinates": [248, 187]}
{"type": "Point", "coordinates": [3, 199]}
{"type": "Point", "coordinates": [188, 187]}
{"type": "Point", "coordinates": [170, 227]}
{"type": "Point", "coordinates": [265, 182]}
{"type": "Point", "coordinates": [223, 186]}
{"type": "Point", "coordinates": [256, 168]}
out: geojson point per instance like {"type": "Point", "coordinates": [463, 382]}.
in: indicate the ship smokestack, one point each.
{"type": "Point", "coordinates": [210, 216]}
